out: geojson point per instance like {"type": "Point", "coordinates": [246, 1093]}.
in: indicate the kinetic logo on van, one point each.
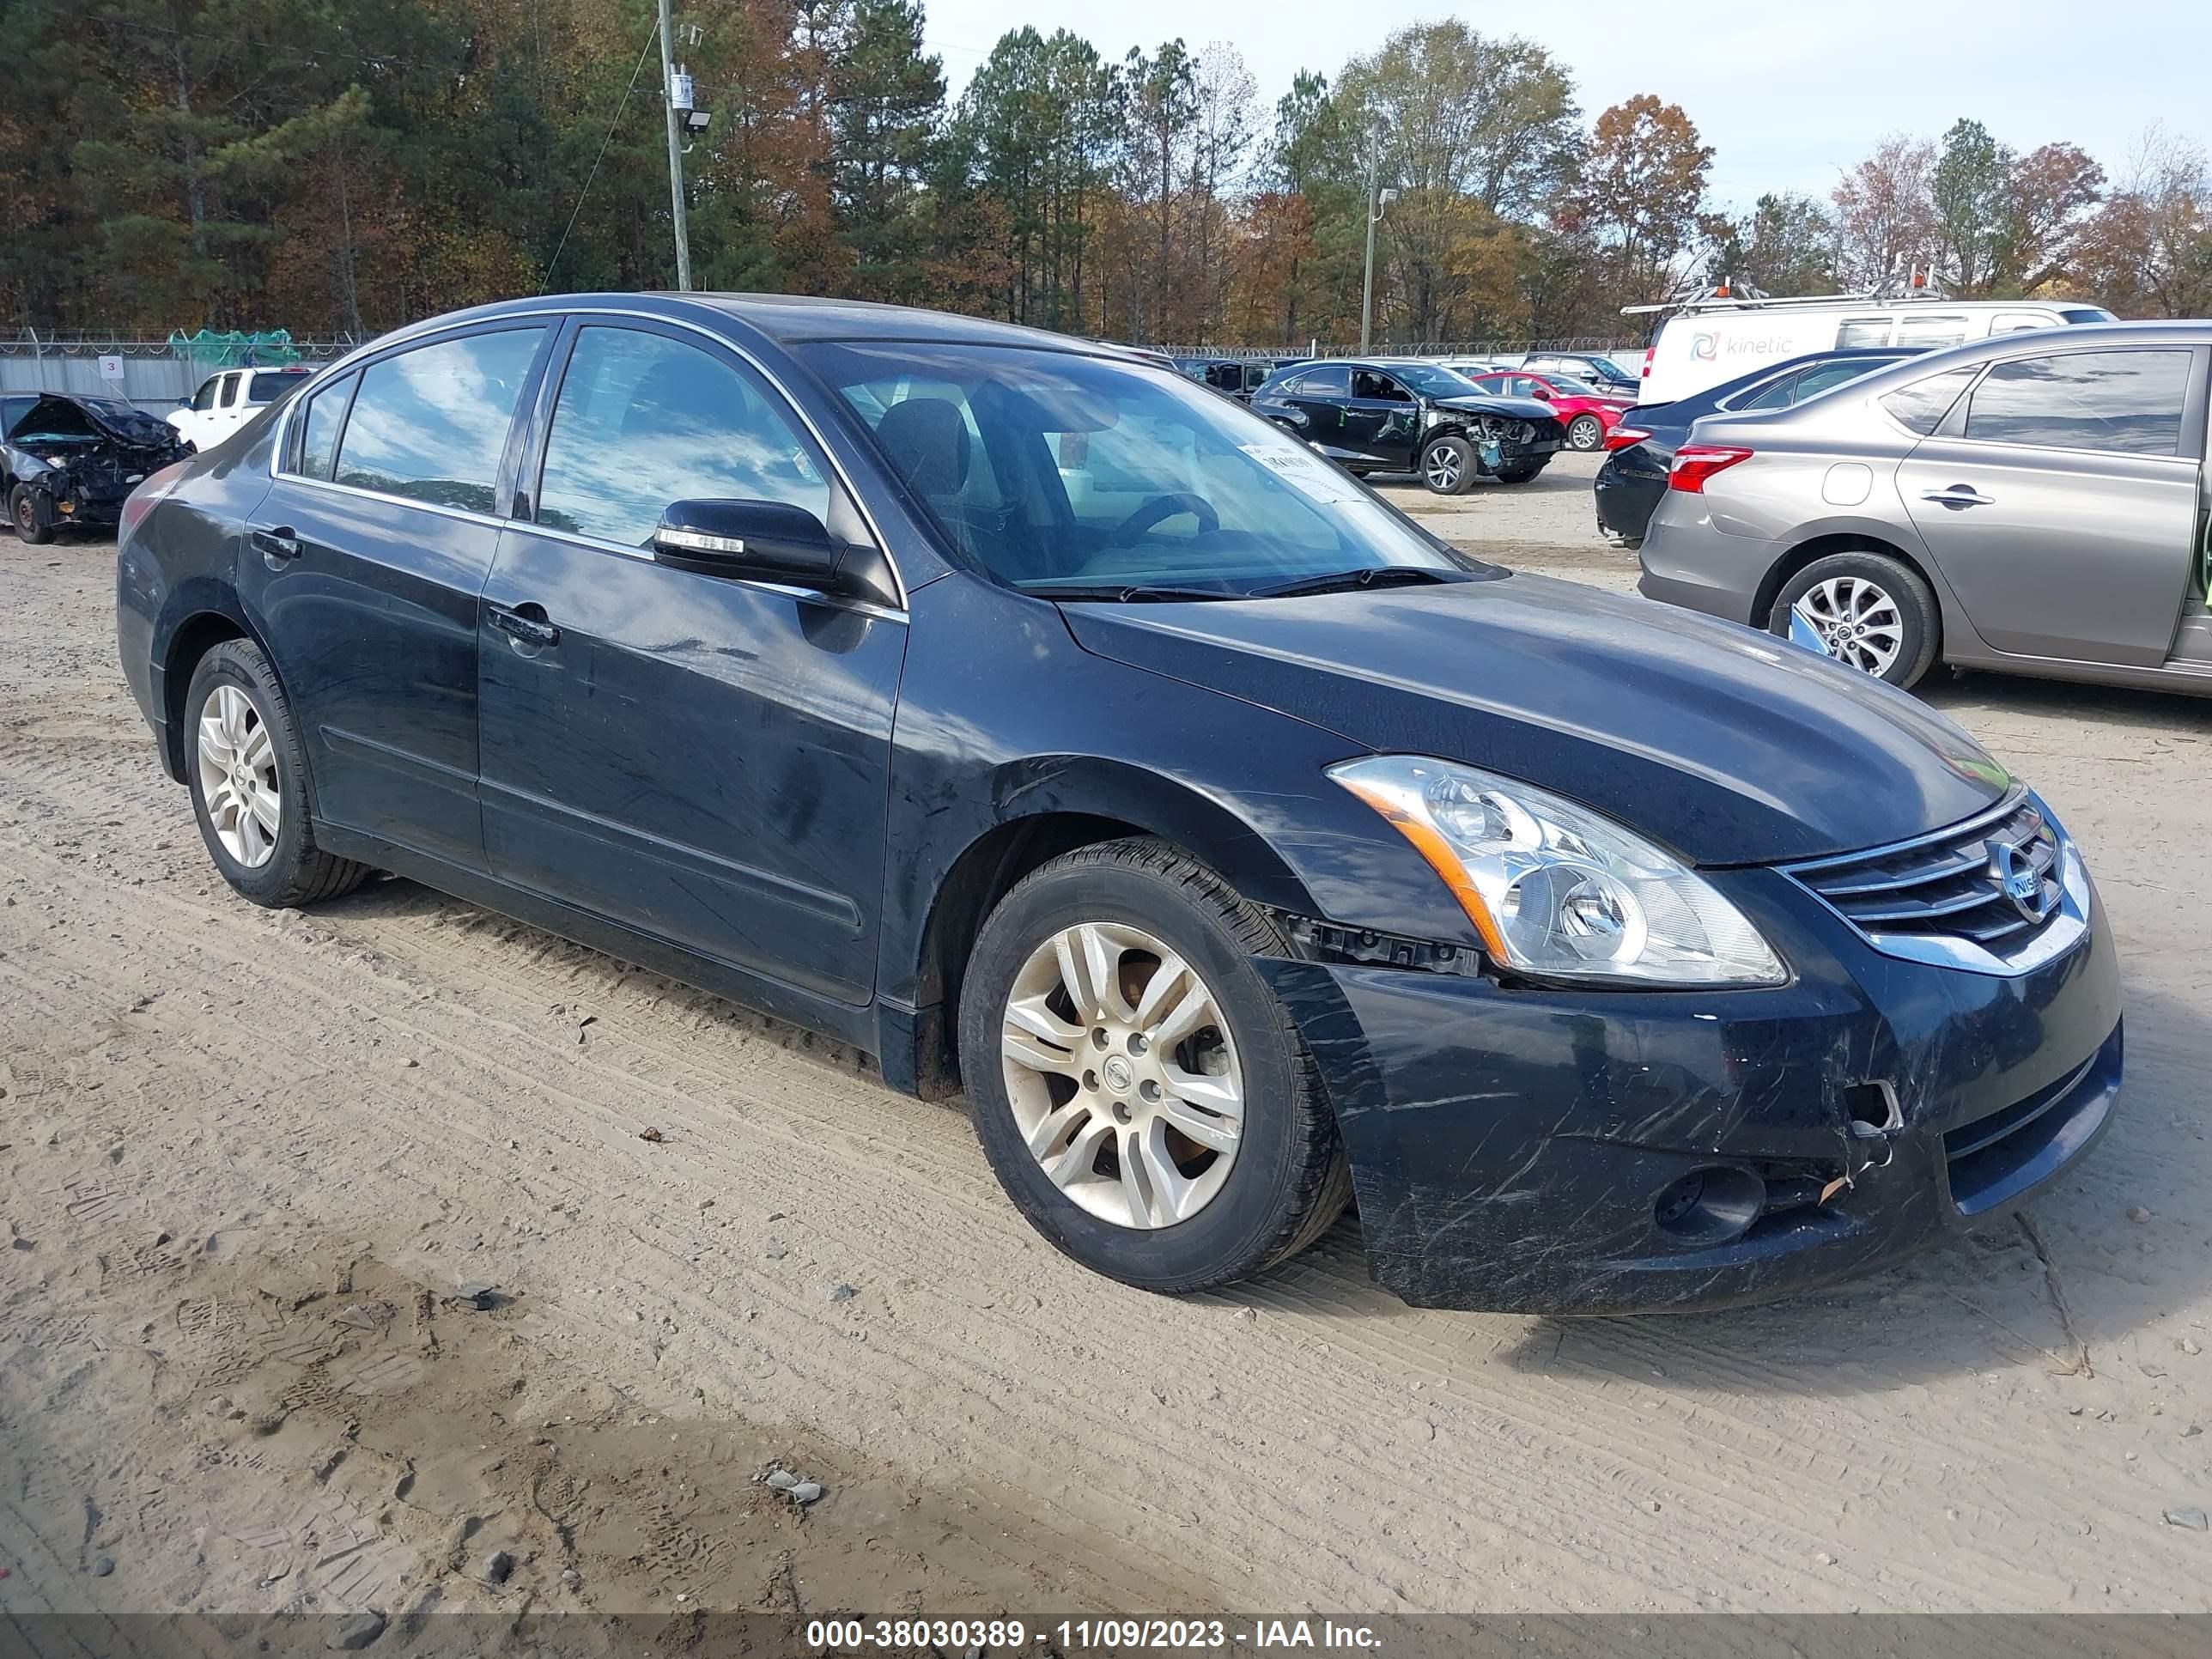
{"type": "Point", "coordinates": [1704, 347]}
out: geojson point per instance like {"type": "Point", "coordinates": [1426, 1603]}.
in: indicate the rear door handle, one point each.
{"type": "Point", "coordinates": [1957, 496]}
{"type": "Point", "coordinates": [524, 631]}
{"type": "Point", "coordinates": [277, 541]}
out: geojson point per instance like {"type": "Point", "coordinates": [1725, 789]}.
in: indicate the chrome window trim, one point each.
{"type": "Point", "coordinates": [553, 316]}
{"type": "Point", "coordinates": [2067, 926]}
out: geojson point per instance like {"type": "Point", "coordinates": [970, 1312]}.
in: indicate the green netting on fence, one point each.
{"type": "Point", "coordinates": [235, 349]}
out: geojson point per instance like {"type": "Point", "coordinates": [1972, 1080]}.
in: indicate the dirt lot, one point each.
{"type": "Point", "coordinates": [250, 1164]}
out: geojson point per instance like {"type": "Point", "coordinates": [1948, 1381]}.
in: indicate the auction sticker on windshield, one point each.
{"type": "Point", "coordinates": [1305, 471]}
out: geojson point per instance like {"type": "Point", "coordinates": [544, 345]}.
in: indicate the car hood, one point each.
{"type": "Point", "coordinates": [1729, 746]}
{"type": "Point", "coordinates": [132, 427]}
{"type": "Point", "coordinates": [1509, 408]}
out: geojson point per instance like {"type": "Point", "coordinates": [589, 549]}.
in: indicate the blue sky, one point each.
{"type": "Point", "coordinates": [1788, 93]}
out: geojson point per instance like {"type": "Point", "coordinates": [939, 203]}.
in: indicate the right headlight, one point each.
{"type": "Point", "coordinates": [1557, 890]}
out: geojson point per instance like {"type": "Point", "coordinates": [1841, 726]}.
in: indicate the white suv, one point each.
{"type": "Point", "coordinates": [225, 402]}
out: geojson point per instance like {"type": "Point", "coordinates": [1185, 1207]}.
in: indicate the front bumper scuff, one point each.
{"type": "Point", "coordinates": [1508, 1145]}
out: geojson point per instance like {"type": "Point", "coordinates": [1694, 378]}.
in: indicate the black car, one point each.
{"type": "Point", "coordinates": [1634, 478]}
{"type": "Point", "coordinates": [1052, 729]}
{"type": "Point", "coordinates": [1412, 417]}
{"type": "Point", "coordinates": [1594, 368]}
{"type": "Point", "coordinates": [1238, 377]}
{"type": "Point", "coordinates": [67, 460]}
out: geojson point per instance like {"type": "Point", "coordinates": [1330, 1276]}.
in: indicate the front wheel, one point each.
{"type": "Point", "coordinates": [1585, 432]}
{"type": "Point", "coordinates": [1140, 1094]}
{"type": "Point", "coordinates": [1448, 466]}
{"type": "Point", "coordinates": [1868, 610]}
{"type": "Point", "coordinates": [34, 521]}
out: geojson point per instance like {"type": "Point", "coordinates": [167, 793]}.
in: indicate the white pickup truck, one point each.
{"type": "Point", "coordinates": [226, 401]}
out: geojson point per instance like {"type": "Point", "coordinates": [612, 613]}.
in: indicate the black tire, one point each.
{"type": "Point", "coordinates": [33, 519]}
{"type": "Point", "coordinates": [1521, 474]}
{"type": "Point", "coordinates": [1920, 621]}
{"type": "Point", "coordinates": [1289, 1180]}
{"type": "Point", "coordinates": [1448, 466]}
{"type": "Point", "coordinates": [1585, 433]}
{"type": "Point", "coordinates": [296, 871]}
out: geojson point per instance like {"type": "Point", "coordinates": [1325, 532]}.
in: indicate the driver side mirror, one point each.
{"type": "Point", "coordinates": [769, 542]}
{"type": "Point", "coordinates": [1541, 394]}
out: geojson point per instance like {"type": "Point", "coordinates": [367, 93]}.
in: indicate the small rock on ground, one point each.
{"type": "Point", "coordinates": [2195, 1520]}
{"type": "Point", "coordinates": [356, 1632]}
{"type": "Point", "coordinates": [102, 1567]}
{"type": "Point", "coordinates": [496, 1567]}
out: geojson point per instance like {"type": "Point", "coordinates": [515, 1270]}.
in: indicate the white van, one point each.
{"type": "Point", "coordinates": [1706, 342]}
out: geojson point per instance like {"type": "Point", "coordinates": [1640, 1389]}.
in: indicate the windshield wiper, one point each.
{"type": "Point", "coordinates": [1340, 582]}
{"type": "Point", "coordinates": [1131, 593]}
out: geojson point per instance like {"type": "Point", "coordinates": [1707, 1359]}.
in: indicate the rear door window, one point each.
{"type": "Point", "coordinates": [2126, 402]}
{"type": "Point", "coordinates": [230, 390]}
{"type": "Point", "coordinates": [1863, 332]}
{"type": "Point", "coordinates": [1921, 406]}
{"type": "Point", "coordinates": [1333, 381]}
{"type": "Point", "coordinates": [319, 431]}
{"type": "Point", "coordinates": [430, 425]}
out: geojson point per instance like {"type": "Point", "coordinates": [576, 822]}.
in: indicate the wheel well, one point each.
{"type": "Point", "coordinates": [982, 875]}
{"type": "Point", "coordinates": [1819, 548]}
{"type": "Point", "coordinates": [194, 638]}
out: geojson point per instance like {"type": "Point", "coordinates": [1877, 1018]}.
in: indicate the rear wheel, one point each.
{"type": "Point", "coordinates": [1139, 1091]}
{"type": "Point", "coordinates": [1448, 466]}
{"type": "Point", "coordinates": [1585, 432]}
{"type": "Point", "coordinates": [248, 776]}
{"type": "Point", "coordinates": [1868, 610]}
{"type": "Point", "coordinates": [33, 519]}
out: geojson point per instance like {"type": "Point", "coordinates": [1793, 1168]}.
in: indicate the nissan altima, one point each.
{"type": "Point", "coordinates": [1062, 734]}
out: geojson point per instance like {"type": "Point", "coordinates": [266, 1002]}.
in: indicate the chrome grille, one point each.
{"type": "Point", "coordinates": [1949, 887]}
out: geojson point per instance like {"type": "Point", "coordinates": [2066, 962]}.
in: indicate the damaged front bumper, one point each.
{"type": "Point", "coordinates": [1543, 1151]}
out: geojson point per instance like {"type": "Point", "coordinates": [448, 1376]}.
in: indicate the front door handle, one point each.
{"type": "Point", "coordinates": [1957, 496]}
{"type": "Point", "coordinates": [525, 629]}
{"type": "Point", "coordinates": [277, 543]}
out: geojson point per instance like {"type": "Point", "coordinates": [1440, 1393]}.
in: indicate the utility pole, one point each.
{"type": "Point", "coordinates": [1376, 201]}
{"type": "Point", "coordinates": [676, 153]}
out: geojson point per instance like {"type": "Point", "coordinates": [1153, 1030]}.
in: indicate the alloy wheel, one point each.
{"type": "Point", "coordinates": [1854, 622]}
{"type": "Point", "coordinates": [1122, 1075]}
{"type": "Point", "coordinates": [1586, 433]}
{"type": "Point", "coordinates": [237, 776]}
{"type": "Point", "coordinates": [1442, 467]}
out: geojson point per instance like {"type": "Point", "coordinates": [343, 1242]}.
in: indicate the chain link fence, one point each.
{"type": "Point", "coordinates": [155, 375]}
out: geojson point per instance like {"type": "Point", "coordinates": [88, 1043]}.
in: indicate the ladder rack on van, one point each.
{"type": "Point", "coordinates": [1761, 302]}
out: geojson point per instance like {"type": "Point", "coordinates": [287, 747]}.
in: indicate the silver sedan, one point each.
{"type": "Point", "coordinates": [2034, 502]}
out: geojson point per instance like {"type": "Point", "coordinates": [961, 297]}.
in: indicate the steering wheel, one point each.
{"type": "Point", "coordinates": [1159, 510]}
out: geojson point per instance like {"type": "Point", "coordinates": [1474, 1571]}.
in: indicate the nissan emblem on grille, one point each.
{"type": "Point", "coordinates": [2017, 879]}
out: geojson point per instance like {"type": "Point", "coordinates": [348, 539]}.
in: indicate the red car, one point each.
{"type": "Point", "coordinates": [1588, 414]}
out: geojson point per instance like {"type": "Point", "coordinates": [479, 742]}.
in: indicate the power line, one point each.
{"type": "Point", "coordinates": [652, 35]}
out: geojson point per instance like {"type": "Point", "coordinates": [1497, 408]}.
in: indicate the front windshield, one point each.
{"type": "Point", "coordinates": [1057, 472]}
{"type": "Point", "coordinates": [1434, 379]}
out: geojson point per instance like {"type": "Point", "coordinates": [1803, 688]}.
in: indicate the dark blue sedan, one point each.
{"type": "Point", "coordinates": [1057, 731]}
